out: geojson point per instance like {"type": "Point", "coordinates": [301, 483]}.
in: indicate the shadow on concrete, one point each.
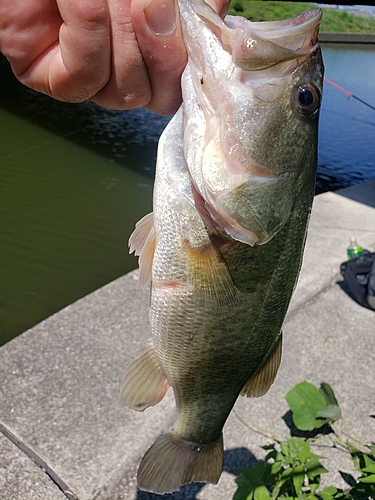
{"type": "Point", "coordinates": [294, 432]}
{"type": "Point", "coordinates": [363, 193]}
{"type": "Point", "coordinates": [234, 461]}
{"type": "Point", "coordinates": [348, 478]}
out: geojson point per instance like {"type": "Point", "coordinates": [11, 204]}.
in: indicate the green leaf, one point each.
{"type": "Point", "coordinates": [329, 493]}
{"type": "Point", "coordinates": [242, 493]}
{"type": "Point", "coordinates": [261, 493]}
{"type": "Point", "coordinates": [367, 460]}
{"type": "Point", "coordinates": [287, 473]}
{"type": "Point", "coordinates": [362, 490]}
{"type": "Point", "coordinates": [314, 484]}
{"type": "Point", "coordinates": [367, 479]}
{"type": "Point", "coordinates": [315, 470]}
{"type": "Point", "coordinates": [255, 475]}
{"type": "Point", "coordinates": [328, 394]}
{"type": "Point", "coordinates": [284, 449]}
{"type": "Point", "coordinates": [298, 480]}
{"type": "Point", "coordinates": [305, 401]}
{"type": "Point", "coordinates": [355, 454]}
{"type": "Point", "coordinates": [305, 453]}
{"type": "Point", "coordinates": [296, 445]}
{"type": "Point", "coordinates": [275, 467]}
{"type": "Point", "coordinates": [275, 455]}
{"type": "Point", "coordinates": [287, 461]}
{"type": "Point", "coordinates": [332, 412]}
{"type": "Point", "coordinates": [360, 460]}
{"type": "Point", "coordinates": [250, 479]}
{"type": "Point", "coordinates": [275, 492]}
{"type": "Point", "coordinates": [370, 468]}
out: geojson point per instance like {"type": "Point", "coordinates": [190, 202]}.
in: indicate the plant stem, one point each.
{"type": "Point", "coordinates": [354, 436]}
{"type": "Point", "coordinates": [257, 428]}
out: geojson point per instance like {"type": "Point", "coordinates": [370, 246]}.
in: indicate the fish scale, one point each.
{"type": "Point", "coordinates": [221, 253]}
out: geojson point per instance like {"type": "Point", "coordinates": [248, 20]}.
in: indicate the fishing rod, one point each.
{"type": "Point", "coordinates": [348, 93]}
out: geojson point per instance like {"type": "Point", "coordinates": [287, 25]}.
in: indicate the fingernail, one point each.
{"type": "Point", "coordinates": [161, 16]}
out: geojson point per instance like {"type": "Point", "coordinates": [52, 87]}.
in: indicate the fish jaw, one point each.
{"type": "Point", "coordinates": [242, 117]}
{"type": "Point", "coordinates": [252, 45]}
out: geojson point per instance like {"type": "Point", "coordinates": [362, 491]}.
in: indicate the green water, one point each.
{"type": "Point", "coordinates": [74, 180]}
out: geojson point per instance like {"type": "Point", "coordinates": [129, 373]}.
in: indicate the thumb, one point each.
{"type": "Point", "coordinates": [158, 30]}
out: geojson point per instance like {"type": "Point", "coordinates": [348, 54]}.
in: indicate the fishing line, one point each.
{"type": "Point", "coordinates": [349, 117]}
{"type": "Point", "coordinates": [347, 92]}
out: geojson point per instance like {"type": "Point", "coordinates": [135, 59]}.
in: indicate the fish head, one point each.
{"type": "Point", "coordinates": [254, 121]}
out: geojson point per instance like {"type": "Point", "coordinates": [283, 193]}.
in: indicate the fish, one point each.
{"type": "Point", "coordinates": [222, 249]}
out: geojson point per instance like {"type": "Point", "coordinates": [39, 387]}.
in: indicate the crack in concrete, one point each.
{"type": "Point", "coordinates": [40, 462]}
{"type": "Point", "coordinates": [335, 280]}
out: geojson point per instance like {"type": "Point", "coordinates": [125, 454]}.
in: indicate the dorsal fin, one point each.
{"type": "Point", "coordinates": [142, 242]}
{"type": "Point", "coordinates": [259, 384]}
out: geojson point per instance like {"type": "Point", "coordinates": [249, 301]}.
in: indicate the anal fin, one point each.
{"type": "Point", "coordinates": [144, 384]}
{"type": "Point", "coordinates": [259, 384]}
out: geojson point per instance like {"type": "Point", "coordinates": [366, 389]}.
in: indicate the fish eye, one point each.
{"type": "Point", "coordinates": [307, 100]}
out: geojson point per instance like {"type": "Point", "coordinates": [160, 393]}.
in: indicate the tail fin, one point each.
{"type": "Point", "coordinates": [172, 462]}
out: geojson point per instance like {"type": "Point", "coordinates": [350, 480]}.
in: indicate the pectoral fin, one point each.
{"type": "Point", "coordinates": [144, 384]}
{"type": "Point", "coordinates": [210, 275]}
{"type": "Point", "coordinates": [259, 384]}
{"type": "Point", "coordinates": [142, 242]}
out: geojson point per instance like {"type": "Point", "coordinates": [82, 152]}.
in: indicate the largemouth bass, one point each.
{"type": "Point", "coordinates": [222, 250]}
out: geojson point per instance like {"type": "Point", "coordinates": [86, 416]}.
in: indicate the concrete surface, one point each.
{"type": "Point", "coordinates": [60, 380]}
{"type": "Point", "coordinates": [21, 478]}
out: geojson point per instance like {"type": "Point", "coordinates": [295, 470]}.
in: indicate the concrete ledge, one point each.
{"type": "Point", "coordinates": [21, 478]}
{"type": "Point", "coordinates": [60, 379]}
{"type": "Point", "coordinates": [60, 389]}
{"type": "Point", "coordinates": [364, 38]}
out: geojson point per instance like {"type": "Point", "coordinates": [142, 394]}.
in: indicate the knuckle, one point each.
{"type": "Point", "coordinates": [91, 15]}
{"type": "Point", "coordinates": [73, 90]}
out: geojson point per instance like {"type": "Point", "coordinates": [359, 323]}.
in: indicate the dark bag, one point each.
{"type": "Point", "coordinates": [359, 279]}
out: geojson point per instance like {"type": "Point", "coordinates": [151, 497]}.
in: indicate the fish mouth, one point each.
{"type": "Point", "coordinates": [257, 46]}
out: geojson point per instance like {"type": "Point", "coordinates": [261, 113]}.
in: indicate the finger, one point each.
{"type": "Point", "coordinates": [220, 6]}
{"type": "Point", "coordinates": [26, 33]}
{"type": "Point", "coordinates": [129, 84]}
{"type": "Point", "coordinates": [77, 66]}
{"type": "Point", "coordinates": [158, 29]}
{"type": "Point", "coordinates": [159, 35]}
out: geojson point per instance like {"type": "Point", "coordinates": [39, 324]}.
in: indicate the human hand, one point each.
{"type": "Point", "coordinates": [121, 54]}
